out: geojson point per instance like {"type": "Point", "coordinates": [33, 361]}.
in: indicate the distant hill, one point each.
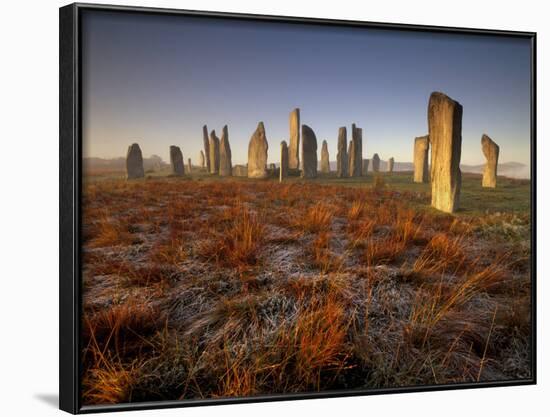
{"type": "Point", "coordinates": [153, 163]}
{"type": "Point", "coordinates": [507, 169]}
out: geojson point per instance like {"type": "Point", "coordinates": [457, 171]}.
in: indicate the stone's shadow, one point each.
{"type": "Point", "coordinates": [50, 399]}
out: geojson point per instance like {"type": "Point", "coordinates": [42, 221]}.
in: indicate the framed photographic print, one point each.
{"type": "Point", "coordinates": [259, 208]}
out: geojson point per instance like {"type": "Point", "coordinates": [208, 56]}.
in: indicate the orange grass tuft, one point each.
{"type": "Point", "coordinates": [442, 254]}
{"type": "Point", "coordinates": [239, 246]}
{"type": "Point", "coordinates": [317, 218]}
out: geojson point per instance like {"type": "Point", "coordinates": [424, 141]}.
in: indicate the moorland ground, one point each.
{"type": "Point", "coordinates": [201, 287]}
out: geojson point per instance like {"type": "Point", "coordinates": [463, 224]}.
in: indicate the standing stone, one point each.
{"type": "Point", "coordinates": [359, 155]}
{"type": "Point", "coordinates": [421, 149]}
{"type": "Point", "coordinates": [294, 146]}
{"type": "Point", "coordinates": [391, 161]}
{"type": "Point", "coordinates": [134, 162]}
{"type": "Point", "coordinates": [356, 154]}
{"type": "Point", "coordinates": [177, 166]}
{"type": "Point", "coordinates": [445, 131]}
{"type": "Point", "coordinates": [257, 153]}
{"type": "Point", "coordinates": [490, 150]}
{"type": "Point", "coordinates": [240, 171]}
{"type": "Point", "coordinates": [155, 163]}
{"type": "Point", "coordinates": [309, 153]}
{"type": "Point", "coordinates": [375, 163]}
{"type": "Point", "coordinates": [325, 162]}
{"type": "Point", "coordinates": [206, 144]}
{"type": "Point", "coordinates": [283, 168]}
{"type": "Point", "coordinates": [214, 147]}
{"type": "Point", "coordinates": [226, 169]}
{"type": "Point", "coordinates": [189, 165]}
{"type": "Point", "coordinates": [201, 159]}
{"type": "Point", "coordinates": [365, 167]}
{"type": "Point", "coordinates": [342, 155]}
{"type": "Point", "coordinates": [350, 156]}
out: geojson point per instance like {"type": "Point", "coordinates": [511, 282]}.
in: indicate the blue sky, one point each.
{"type": "Point", "coordinates": [156, 79]}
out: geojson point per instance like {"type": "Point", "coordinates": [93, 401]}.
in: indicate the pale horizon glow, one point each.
{"type": "Point", "coordinates": [156, 80]}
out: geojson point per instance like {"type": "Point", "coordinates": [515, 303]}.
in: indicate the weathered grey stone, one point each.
{"type": "Point", "coordinates": [283, 168]}
{"type": "Point", "coordinates": [177, 166]}
{"type": "Point", "coordinates": [445, 131]}
{"type": "Point", "coordinates": [201, 159]}
{"type": "Point", "coordinates": [226, 168]}
{"type": "Point", "coordinates": [189, 165]}
{"type": "Point", "coordinates": [365, 169]}
{"type": "Point", "coordinates": [421, 149]}
{"type": "Point", "coordinates": [342, 155]}
{"type": "Point", "coordinates": [309, 153]}
{"type": "Point", "coordinates": [490, 150]}
{"type": "Point", "coordinates": [240, 171]}
{"type": "Point", "coordinates": [356, 154]}
{"type": "Point", "coordinates": [325, 160]}
{"type": "Point", "coordinates": [391, 161]}
{"type": "Point", "coordinates": [294, 145]}
{"type": "Point", "coordinates": [155, 163]}
{"type": "Point", "coordinates": [375, 163]}
{"type": "Point", "coordinates": [257, 153]}
{"type": "Point", "coordinates": [134, 162]}
{"type": "Point", "coordinates": [214, 146]}
{"type": "Point", "coordinates": [359, 150]}
{"type": "Point", "coordinates": [350, 156]}
{"type": "Point", "coordinates": [206, 144]}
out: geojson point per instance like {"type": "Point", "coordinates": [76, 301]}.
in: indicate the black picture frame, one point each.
{"type": "Point", "coordinates": [70, 156]}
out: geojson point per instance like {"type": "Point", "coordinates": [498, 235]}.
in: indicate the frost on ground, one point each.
{"type": "Point", "coordinates": [202, 289]}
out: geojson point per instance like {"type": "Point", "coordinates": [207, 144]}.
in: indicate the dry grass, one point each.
{"type": "Point", "coordinates": [322, 256]}
{"type": "Point", "coordinates": [316, 218]}
{"type": "Point", "coordinates": [238, 243]}
{"type": "Point", "coordinates": [443, 253]}
{"type": "Point", "coordinates": [203, 289]}
{"type": "Point", "coordinates": [113, 335]}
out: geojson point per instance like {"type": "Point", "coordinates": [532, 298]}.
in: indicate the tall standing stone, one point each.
{"type": "Point", "coordinates": [356, 154]}
{"type": "Point", "coordinates": [201, 159]}
{"type": "Point", "coordinates": [445, 131]}
{"type": "Point", "coordinates": [134, 162]}
{"type": "Point", "coordinates": [350, 156]}
{"type": "Point", "coordinates": [189, 165]}
{"type": "Point", "coordinates": [375, 163]}
{"type": "Point", "coordinates": [283, 168]}
{"type": "Point", "coordinates": [214, 158]}
{"type": "Point", "coordinates": [342, 155]}
{"type": "Point", "coordinates": [309, 153]}
{"type": "Point", "coordinates": [226, 168]}
{"type": "Point", "coordinates": [325, 160]}
{"type": "Point", "coordinates": [257, 153]}
{"type": "Point", "coordinates": [206, 144]}
{"type": "Point", "coordinates": [359, 150]}
{"type": "Point", "coordinates": [490, 150]}
{"type": "Point", "coordinates": [365, 169]}
{"type": "Point", "coordinates": [177, 166]}
{"type": "Point", "coordinates": [421, 149]}
{"type": "Point", "coordinates": [294, 146]}
{"type": "Point", "coordinates": [391, 162]}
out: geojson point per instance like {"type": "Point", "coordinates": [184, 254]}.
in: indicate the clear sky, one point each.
{"type": "Point", "coordinates": [156, 79]}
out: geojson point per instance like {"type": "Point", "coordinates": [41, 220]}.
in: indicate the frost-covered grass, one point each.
{"type": "Point", "coordinates": [201, 288]}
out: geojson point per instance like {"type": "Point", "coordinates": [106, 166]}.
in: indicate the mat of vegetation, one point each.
{"type": "Point", "coordinates": [210, 288]}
